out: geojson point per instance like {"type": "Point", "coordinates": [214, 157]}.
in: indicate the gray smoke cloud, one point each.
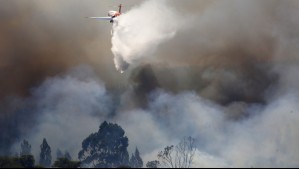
{"type": "Point", "coordinates": [264, 139]}
{"type": "Point", "coordinates": [66, 110]}
{"type": "Point", "coordinates": [228, 78]}
{"type": "Point", "coordinates": [42, 39]}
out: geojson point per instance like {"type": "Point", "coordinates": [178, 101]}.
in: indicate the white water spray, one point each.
{"type": "Point", "coordinates": [138, 33]}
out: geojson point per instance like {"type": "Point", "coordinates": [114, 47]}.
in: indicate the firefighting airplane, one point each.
{"type": "Point", "coordinates": [111, 15]}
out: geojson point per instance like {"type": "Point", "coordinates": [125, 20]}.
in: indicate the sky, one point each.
{"type": "Point", "coordinates": [223, 71]}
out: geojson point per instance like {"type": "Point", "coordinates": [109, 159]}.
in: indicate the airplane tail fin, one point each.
{"type": "Point", "coordinates": [119, 8]}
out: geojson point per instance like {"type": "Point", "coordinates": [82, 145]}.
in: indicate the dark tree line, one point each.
{"type": "Point", "coordinates": [25, 161]}
{"type": "Point", "coordinates": [106, 148]}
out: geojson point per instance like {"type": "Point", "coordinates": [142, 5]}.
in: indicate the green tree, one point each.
{"type": "Point", "coordinates": [136, 160]}
{"type": "Point", "coordinates": [105, 149]}
{"type": "Point", "coordinates": [66, 163]}
{"type": "Point", "coordinates": [25, 148]}
{"type": "Point", "coordinates": [45, 154]}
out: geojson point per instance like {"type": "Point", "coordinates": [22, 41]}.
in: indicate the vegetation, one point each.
{"type": "Point", "coordinates": [179, 156]}
{"type": "Point", "coordinates": [106, 148]}
{"type": "Point", "coordinates": [153, 164]}
{"type": "Point", "coordinates": [136, 161]}
{"type": "Point", "coordinates": [66, 155]}
{"type": "Point", "coordinates": [66, 163]}
{"type": "Point", "coordinates": [25, 161]}
{"type": "Point", "coordinates": [25, 148]}
{"type": "Point", "coordinates": [45, 154]}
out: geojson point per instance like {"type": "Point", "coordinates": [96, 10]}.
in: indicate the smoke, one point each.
{"type": "Point", "coordinates": [41, 39]}
{"type": "Point", "coordinates": [239, 60]}
{"type": "Point", "coordinates": [66, 107]}
{"type": "Point", "coordinates": [67, 103]}
{"type": "Point", "coordinates": [223, 72]}
{"type": "Point", "coordinates": [138, 33]}
{"type": "Point", "coordinates": [44, 39]}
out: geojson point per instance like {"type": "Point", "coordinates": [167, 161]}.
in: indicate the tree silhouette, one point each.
{"type": "Point", "coordinates": [179, 156]}
{"type": "Point", "coordinates": [59, 154]}
{"type": "Point", "coordinates": [153, 164]}
{"type": "Point", "coordinates": [25, 148]}
{"type": "Point", "coordinates": [45, 154]}
{"type": "Point", "coordinates": [136, 161]}
{"type": "Point", "coordinates": [25, 161]}
{"type": "Point", "coordinates": [105, 149]}
{"type": "Point", "coordinates": [67, 155]}
{"type": "Point", "coordinates": [66, 163]}
{"type": "Point", "coordinates": [166, 157]}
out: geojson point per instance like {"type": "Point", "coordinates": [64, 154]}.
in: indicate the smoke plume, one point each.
{"type": "Point", "coordinates": [41, 40]}
{"type": "Point", "coordinates": [66, 107]}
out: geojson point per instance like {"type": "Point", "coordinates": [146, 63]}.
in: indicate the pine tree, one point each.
{"type": "Point", "coordinates": [45, 154]}
{"type": "Point", "coordinates": [67, 156]}
{"type": "Point", "coordinates": [59, 154]}
{"type": "Point", "coordinates": [136, 161]}
{"type": "Point", "coordinates": [132, 161]}
{"type": "Point", "coordinates": [25, 148]}
{"type": "Point", "coordinates": [139, 162]}
{"type": "Point", "coordinates": [106, 148]}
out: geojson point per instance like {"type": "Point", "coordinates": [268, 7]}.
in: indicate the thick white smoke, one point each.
{"type": "Point", "coordinates": [67, 106]}
{"type": "Point", "coordinates": [138, 33]}
{"type": "Point", "coordinates": [73, 105]}
{"type": "Point", "coordinates": [268, 138]}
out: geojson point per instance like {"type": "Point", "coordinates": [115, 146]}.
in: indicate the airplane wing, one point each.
{"type": "Point", "coordinates": [101, 18]}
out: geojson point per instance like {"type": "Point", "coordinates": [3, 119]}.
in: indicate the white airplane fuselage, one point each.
{"type": "Point", "coordinates": [113, 14]}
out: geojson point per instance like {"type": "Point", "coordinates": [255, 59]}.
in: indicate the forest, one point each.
{"type": "Point", "coordinates": [106, 148]}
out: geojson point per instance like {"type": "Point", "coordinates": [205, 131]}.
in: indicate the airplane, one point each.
{"type": "Point", "coordinates": [111, 15]}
